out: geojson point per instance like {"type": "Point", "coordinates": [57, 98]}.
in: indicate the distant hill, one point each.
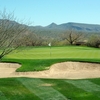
{"type": "Point", "coordinates": [54, 30]}
{"type": "Point", "coordinates": [75, 26]}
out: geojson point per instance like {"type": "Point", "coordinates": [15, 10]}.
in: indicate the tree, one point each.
{"type": "Point", "coordinates": [72, 36]}
{"type": "Point", "coordinates": [94, 41]}
{"type": "Point", "coordinates": [31, 39]}
{"type": "Point", "coordinates": [10, 31]}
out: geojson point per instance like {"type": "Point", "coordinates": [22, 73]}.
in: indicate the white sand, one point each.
{"type": "Point", "coordinates": [65, 70]}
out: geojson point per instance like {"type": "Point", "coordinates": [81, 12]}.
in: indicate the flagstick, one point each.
{"type": "Point", "coordinates": [50, 51]}
{"type": "Point", "coordinates": [50, 48]}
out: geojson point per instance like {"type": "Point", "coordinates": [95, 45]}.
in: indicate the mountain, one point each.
{"type": "Point", "coordinates": [75, 26]}
{"type": "Point", "coordinates": [54, 30]}
{"type": "Point", "coordinates": [52, 25]}
{"type": "Point", "coordinates": [65, 26]}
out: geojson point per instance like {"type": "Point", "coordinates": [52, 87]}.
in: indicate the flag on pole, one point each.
{"type": "Point", "coordinates": [49, 44]}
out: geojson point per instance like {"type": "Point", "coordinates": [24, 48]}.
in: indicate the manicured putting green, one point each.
{"type": "Point", "coordinates": [55, 52]}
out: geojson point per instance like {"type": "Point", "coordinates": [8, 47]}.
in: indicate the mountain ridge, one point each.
{"type": "Point", "coordinates": [54, 30]}
{"type": "Point", "coordinates": [75, 26]}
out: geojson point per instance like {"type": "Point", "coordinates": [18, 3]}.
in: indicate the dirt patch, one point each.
{"type": "Point", "coordinates": [65, 70]}
{"type": "Point", "coordinates": [46, 84]}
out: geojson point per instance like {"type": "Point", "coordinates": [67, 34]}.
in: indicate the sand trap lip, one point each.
{"type": "Point", "coordinates": [64, 70]}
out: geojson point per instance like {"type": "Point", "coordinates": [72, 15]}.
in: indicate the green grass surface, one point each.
{"type": "Point", "coordinates": [40, 58]}
{"type": "Point", "coordinates": [42, 64]}
{"type": "Point", "coordinates": [49, 89]}
{"type": "Point", "coordinates": [55, 53]}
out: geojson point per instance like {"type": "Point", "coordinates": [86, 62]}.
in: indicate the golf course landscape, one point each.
{"type": "Point", "coordinates": [37, 59]}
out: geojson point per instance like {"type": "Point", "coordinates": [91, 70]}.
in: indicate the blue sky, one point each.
{"type": "Point", "coordinates": [44, 12]}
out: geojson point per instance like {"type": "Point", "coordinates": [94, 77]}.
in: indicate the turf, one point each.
{"type": "Point", "coordinates": [12, 89]}
{"type": "Point", "coordinates": [49, 89]}
{"type": "Point", "coordinates": [39, 88]}
{"type": "Point", "coordinates": [39, 58]}
{"type": "Point", "coordinates": [55, 52]}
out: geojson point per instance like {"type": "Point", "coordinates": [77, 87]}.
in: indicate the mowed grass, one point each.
{"type": "Point", "coordinates": [41, 58]}
{"type": "Point", "coordinates": [49, 89]}
{"type": "Point", "coordinates": [55, 52]}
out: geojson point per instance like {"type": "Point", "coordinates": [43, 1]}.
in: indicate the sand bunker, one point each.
{"type": "Point", "coordinates": [64, 70]}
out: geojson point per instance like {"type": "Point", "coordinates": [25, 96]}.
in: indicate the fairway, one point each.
{"type": "Point", "coordinates": [55, 53]}
{"type": "Point", "coordinates": [49, 89]}
{"type": "Point", "coordinates": [41, 58]}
